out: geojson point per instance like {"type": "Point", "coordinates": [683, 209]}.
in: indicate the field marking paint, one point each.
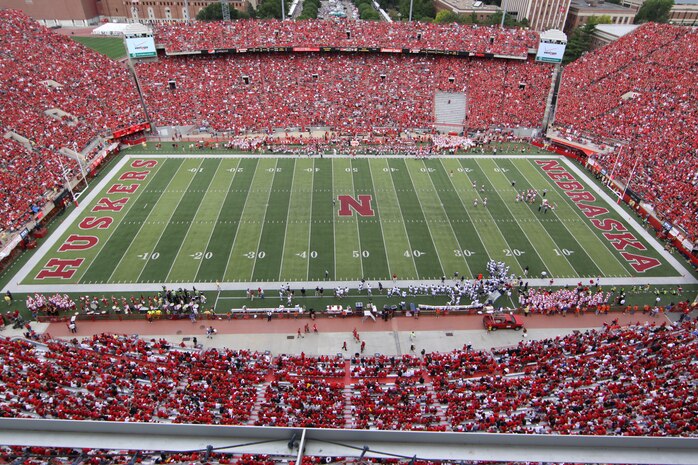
{"type": "Point", "coordinates": [162, 230]}
{"type": "Point", "coordinates": [578, 213]}
{"type": "Point", "coordinates": [310, 222]}
{"type": "Point", "coordinates": [288, 214]}
{"type": "Point", "coordinates": [450, 225]}
{"type": "Point", "coordinates": [264, 220]}
{"type": "Point", "coordinates": [334, 221]}
{"type": "Point", "coordinates": [630, 221]}
{"type": "Point", "coordinates": [132, 201]}
{"type": "Point", "coordinates": [539, 222]}
{"type": "Point", "coordinates": [490, 255]}
{"type": "Point", "coordinates": [191, 223]}
{"type": "Point", "coordinates": [431, 235]}
{"type": "Point", "coordinates": [70, 221]}
{"type": "Point", "coordinates": [98, 189]}
{"type": "Point", "coordinates": [380, 224]}
{"type": "Point", "coordinates": [237, 229]}
{"type": "Point", "coordinates": [522, 229]}
{"type": "Point", "coordinates": [356, 221]}
{"type": "Point", "coordinates": [220, 210]}
{"type": "Point", "coordinates": [404, 227]}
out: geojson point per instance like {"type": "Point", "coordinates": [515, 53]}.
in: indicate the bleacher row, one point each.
{"type": "Point", "coordinates": [637, 380]}
{"type": "Point", "coordinates": [194, 37]}
{"type": "Point", "coordinates": [641, 92]}
{"type": "Point", "coordinates": [54, 93]}
{"type": "Point", "coordinates": [65, 456]}
{"type": "Point", "coordinates": [346, 93]}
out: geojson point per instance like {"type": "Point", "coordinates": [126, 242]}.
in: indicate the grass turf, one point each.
{"type": "Point", "coordinates": [228, 219]}
{"type": "Point", "coordinates": [113, 47]}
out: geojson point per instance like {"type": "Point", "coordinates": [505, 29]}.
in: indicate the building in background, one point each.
{"type": "Point", "coordinates": [480, 10]}
{"type": "Point", "coordinates": [581, 11]}
{"type": "Point", "coordinates": [66, 13]}
{"type": "Point", "coordinates": [604, 34]}
{"type": "Point", "coordinates": [82, 13]}
{"type": "Point", "coordinates": [156, 11]}
{"type": "Point", "coordinates": [542, 15]}
{"type": "Point", "coordinates": [683, 12]}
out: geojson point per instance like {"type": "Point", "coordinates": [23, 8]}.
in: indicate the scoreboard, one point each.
{"type": "Point", "coordinates": [551, 47]}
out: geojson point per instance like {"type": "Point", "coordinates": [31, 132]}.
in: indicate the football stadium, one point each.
{"type": "Point", "coordinates": [347, 241]}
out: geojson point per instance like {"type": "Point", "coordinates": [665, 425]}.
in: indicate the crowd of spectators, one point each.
{"type": "Point", "coordinates": [406, 404]}
{"type": "Point", "coordinates": [291, 366]}
{"type": "Point", "coordinates": [41, 71]}
{"type": "Point", "coordinates": [635, 380]}
{"type": "Point", "coordinates": [638, 96]}
{"type": "Point", "coordinates": [382, 366]}
{"type": "Point", "coordinates": [574, 300]}
{"type": "Point", "coordinates": [26, 177]}
{"type": "Point", "coordinates": [313, 403]}
{"type": "Point", "coordinates": [347, 93]}
{"type": "Point", "coordinates": [56, 94]}
{"type": "Point", "coordinates": [181, 37]}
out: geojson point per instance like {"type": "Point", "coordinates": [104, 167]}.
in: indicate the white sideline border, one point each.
{"type": "Point", "coordinates": [14, 285]}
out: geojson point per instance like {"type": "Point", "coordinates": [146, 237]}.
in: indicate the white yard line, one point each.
{"type": "Point", "coordinates": [547, 267]}
{"type": "Point", "coordinates": [184, 239]}
{"type": "Point", "coordinates": [477, 231]}
{"type": "Point", "coordinates": [356, 221]}
{"type": "Point", "coordinates": [264, 220]}
{"type": "Point", "coordinates": [455, 236]}
{"type": "Point", "coordinates": [404, 226]}
{"type": "Point", "coordinates": [237, 229]}
{"type": "Point", "coordinates": [334, 232]}
{"type": "Point", "coordinates": [162, 231]}
{"type": "Point", "coordinates": [544, 228]}
{"type": "Point", "coordinates": [310, 221]}
{"type": "Point", "coordinates": [385, 248]}
{"type": "Point", "coordinates": [421, 207]}
{"type": "Point", "coordinates": [583, 221]}
{"type": "Point", "coordinates": [288, 214]}
{"type": "Point", "coordinates": [220, 209]}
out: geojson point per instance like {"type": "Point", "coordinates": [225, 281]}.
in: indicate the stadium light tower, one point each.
{"type": "Point", "coordinates": [411, 5]}
{"type": "Point", "coordinates": [504, 13]}
{"type": "Point", "coordinates": [225, 8]}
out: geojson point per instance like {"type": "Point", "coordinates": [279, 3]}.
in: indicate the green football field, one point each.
{"type": "Point", "coordinates": [235, 219]}
{"type": "Point", "coordinates": [113, 47]}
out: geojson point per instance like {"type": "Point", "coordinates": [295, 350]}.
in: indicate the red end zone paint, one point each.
{"type": "Point", "coordinates": [62, 268]}
{"type": "Point", "coordinates": [348, 204]}
{"type": "Point", "coordinates": [620, 241]}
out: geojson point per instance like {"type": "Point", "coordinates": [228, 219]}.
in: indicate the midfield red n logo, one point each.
{"type": "Point", "coordinates": [347, 203]}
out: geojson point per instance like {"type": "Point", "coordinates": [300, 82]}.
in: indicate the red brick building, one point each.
{"type": "Point", "coordinates": [80, 13]}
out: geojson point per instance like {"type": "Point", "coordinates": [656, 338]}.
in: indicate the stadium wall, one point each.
{"type": "Point", "coordinates": [68, 13]}
{"type": "Point", "coordinates": [349, 443]}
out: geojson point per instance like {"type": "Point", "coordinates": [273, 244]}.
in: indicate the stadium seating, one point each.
{"type": "Point", "coordinates": [55, 93]}
{"type": "Point", "coordinates": [617, 381]}
{"type": "Point", "coordinates": [348, 93]}
{"type": "Point", "coordinates": [27, 176]}
{"type": "Point", "coordinates": [640, 93]}
{"type": "Point", "coordinates": [178, 38]}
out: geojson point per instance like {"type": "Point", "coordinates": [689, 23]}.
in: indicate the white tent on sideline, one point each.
{"type": "Point", "coordinates": [119, 29]}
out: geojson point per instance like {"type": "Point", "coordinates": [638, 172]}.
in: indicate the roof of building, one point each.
{"type": "Point", "coordinates": [605, 6]}
{"type": "Point", "coordinates": [685, 2]}
{"type": "Point", "coordinates": [469, 5]}
{"type": "Point", "coordinates": [616, 30]}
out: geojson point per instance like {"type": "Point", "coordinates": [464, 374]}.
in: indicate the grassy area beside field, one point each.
{"type": "Point", "coordinates": [113, 47]}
